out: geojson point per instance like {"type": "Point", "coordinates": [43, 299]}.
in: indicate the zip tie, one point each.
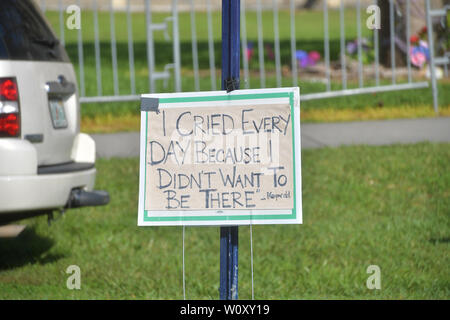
{"type": "Point", "coordinates": [231, 84]}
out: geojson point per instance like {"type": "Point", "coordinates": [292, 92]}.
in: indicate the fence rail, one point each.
{"type": "Point", "coordinates": [172, 71]}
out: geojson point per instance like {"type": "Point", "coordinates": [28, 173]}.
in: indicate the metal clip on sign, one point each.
{"type": "Point", "coordinates": [231, 84]}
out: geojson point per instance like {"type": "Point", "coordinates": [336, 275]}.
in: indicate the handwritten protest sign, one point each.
{"type": "Point", "coordinates": [217, 158]}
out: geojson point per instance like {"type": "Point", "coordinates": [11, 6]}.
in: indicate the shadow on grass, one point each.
{"type": "Point", "coordinates": [440, 240]}
{"type": "Point", "coordinates": [27, 248]}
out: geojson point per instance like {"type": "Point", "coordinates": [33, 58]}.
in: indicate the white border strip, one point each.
{"type": "Point", "coordinates": [227, 213]}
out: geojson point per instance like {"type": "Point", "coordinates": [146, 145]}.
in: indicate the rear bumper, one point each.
{"type": "Point", "coordinates": [41, 192]}
{"type": "Point", "coordinates": [25, 186]}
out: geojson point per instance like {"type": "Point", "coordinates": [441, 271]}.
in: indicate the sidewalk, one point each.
{"type": "Point", "coordinates": [403, 131]}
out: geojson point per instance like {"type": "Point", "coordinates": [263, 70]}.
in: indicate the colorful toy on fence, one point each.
{"type": "Point", "coordinates": [420, 54]}
{"type": "Point", "coordinates": [250, 50]}
{"type": "Point", "coordinates": [352, 46]}
{"type": "Point", "coordinates": [269, 52]}
{"type": "Point", "coordinates": [367, 50]}
{"type": "Point", "coordinates": [305, 59]}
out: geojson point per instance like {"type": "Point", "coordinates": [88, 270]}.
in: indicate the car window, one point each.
{"type": "Point", "coordinates": [24, 34]}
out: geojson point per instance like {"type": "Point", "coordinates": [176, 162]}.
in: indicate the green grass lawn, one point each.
{"type": "Point", "coordinates": [385, 206]}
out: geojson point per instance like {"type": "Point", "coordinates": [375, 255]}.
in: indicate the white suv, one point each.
{"type": "Point", "coordinates": [45, 162]}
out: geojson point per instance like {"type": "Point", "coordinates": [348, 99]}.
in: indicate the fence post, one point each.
{"type": "Point", "coordinates": [212, 58]}
{"type": "Point", "coordinates": [434, 87]}
{"type": "Point", "coordinates": [230, 80]}
{"type": "Point", "coordinates": [176, 46]}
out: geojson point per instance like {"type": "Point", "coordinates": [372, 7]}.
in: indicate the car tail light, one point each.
{"type": "Point", "coordinates": [8, 89]}
{"type": "Point", "coordinates": [9, 108]}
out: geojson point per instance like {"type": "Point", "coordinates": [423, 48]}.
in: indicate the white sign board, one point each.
{"type": "Point", "coordinates": [217, 158]}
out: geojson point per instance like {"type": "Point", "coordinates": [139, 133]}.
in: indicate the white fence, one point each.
{"type": "Point", "coordinates": [370, 78]}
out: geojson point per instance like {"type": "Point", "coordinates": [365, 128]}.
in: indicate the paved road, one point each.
{"type": "Point", "coordinates": [320, 135]}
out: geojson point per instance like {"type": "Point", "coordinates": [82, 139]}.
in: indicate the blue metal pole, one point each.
{"type": "Point", "coordinates": [229, 236]}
